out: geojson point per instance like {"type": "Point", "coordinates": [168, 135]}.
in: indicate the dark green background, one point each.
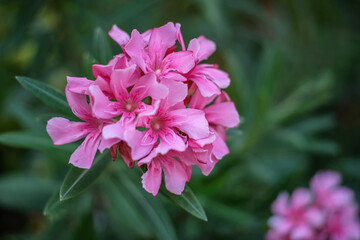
{"type": "Point", "coordinates": [295, 73]}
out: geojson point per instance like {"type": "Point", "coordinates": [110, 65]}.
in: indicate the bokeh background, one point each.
{"type": "Point", "coordinates": [295, 73]}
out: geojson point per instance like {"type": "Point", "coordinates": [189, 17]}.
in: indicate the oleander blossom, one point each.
{"type": "Point", "coordinates": [326, 211]}
{"type": "Point", "coordinates": [157, 107]}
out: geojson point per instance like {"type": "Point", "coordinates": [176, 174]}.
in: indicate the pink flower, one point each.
{"type": "Point", "coordinates": [327, 211]}
{"type": "Point", "coordinates": [327, 191]}
{"type": "Point", "coordinates": [176, 172]}
{"type": "Point", "coordinates": [207, 77]}
{"type": "Point", "coordinates": [128, 104]}
{"type": "Point", "coordinates": [63, 131]}
{"type": "Point", "coordinates": [221, 114]}
{"type": "Point", "coordinates": [343, 224]}
{"type": "Point", "coordinates": [158, 56]}
{"type": "Point", "coordinates": [294, 217]}
{"type": "Point", "coordinates": [153, 105]}
{"type": "Point", "coordinates": [170, 123]}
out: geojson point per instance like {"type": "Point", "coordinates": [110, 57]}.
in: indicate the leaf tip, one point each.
{"type": "Point", "coordinates": [62, 197]}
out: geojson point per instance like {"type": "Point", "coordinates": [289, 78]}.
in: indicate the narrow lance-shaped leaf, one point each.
{"type": "Point", "coordinates": [157, 218]}
{"type": "Point", "coordinates": [77, 179]}
{"type": "Point", "coordinates": [25, 192]}
{"type": "Point", "coordinates": [102, 49]}
{"type": "Point", "coordinates": [188, 201]}
{"type": "Point", "coordinates": [49, 95]}
{"type": "Point", "coordinates": [56, 209]}
{"type": "Point", "coordinates": [32, 140]}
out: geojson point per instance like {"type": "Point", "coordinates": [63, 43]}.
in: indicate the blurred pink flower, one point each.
{"type": "Point", "coordinates": [326, 211]}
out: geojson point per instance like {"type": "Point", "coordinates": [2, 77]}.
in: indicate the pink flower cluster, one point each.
{"type": "Point", "coordinates": [326, 211]}
{"type": "Point", "coordinates": [153, 104]}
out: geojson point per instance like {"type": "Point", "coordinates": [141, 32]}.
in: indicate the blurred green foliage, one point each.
{"type": "Point", "coordinates": [295, 73]}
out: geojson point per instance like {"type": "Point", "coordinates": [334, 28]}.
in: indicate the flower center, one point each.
{"type": "Point", "coordinates": [156, 124]}
{"type": "Point", "coordinates": [129, 106]}
{"type": "Point", "coordinates": [158, 71]}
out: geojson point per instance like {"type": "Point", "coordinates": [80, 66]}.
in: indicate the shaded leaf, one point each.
{"type": "Point", "coordinates": [102, 48]}
{"type": "Point", "coordinates": [77, 179]}
{"type": "Point", "coordinates": [188, 201]}
{"type": "Point", "coordinates": [55, 209]}
{"type": "Point", "coordinates": [49, 95]}
{"type": "Point", "coordinates": [156, 216]}
{"type": "Point", "coordinates": [32, 140]}
{"type": "Point", "coordinates": [123, 208]}
{"type": "Point", "coordinates": [25, 192]}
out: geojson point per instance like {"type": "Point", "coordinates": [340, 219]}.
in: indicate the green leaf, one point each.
{"type": "Point", "coordinates": [124, 209]}
{"type": "Point", "coordinates": [46, 93]}
{"type": "Point", "coordinates": [231, 213]}
{"type": "Point", "coordinates": [25, 192]}
{"type": "Point", "coordinates": [32, 140]}
{"type": "Point", "coordinates": [88, 61]}
{"type": "Point", "coordinates": [188, 201]}
{"type": "Point", "coordinates": [155, 215]}
{"type": "Point", "coordinates": [102, 48]}
{"type": "Point", "coordinates": [77, 179]}
{"type": "Point", "coordinates": [55, 209]}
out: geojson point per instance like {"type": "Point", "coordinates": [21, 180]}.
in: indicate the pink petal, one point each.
{"type": "Point", "coordinates": [281, 204]}
{"type": "Point", "coordinates": [103, 71]}
{"type": "Point", "coordinates": [315, 217]}
{"type": "Point", "coordinates": [180, 37]}
{"type": "Point", "coordinates": [194, 46]}
{"type": "Point", "coordinates": [135, 49]}
{"type": "Point", "coordinates": [301, 198]}
{"type": "Point", "coordinates": [148, 158]}
{"type": "Point", "coordinates": [207, 47]}
{"type": "Point", "coordinates": [162, 38]}
{"type": "Point", "coordinates": [148, 85]}
{"type": "Point", "coordinates": [146, 35]}
{"type": "Point", "coordinates": [340, 197]}
{"type": "Point", "coordinates": [281, 225]}
{"type": "Point", "coordinates": [220, 149]}
{"type": "Point", "coordinates": [206, 87]}
{"type": "Point", "coordinates": [175, 174]}
{"type": "Point", "coordinates": [63, 131]}
{"type": "Point", "coordinates": [141, 143]}
{"type": "Point", "coordinates": [198, 101]}
{"type": "Point", "coordinates": [177, 92]}
{"type": "Point", "coordinates": [151, 180]}
{"type": "Point", "coordinates": [118, 129]}
{"type": "Point", "coordinates": [207, 140]}
{"type": "Point", "coordinates": [79, 85]}
{"type": "Point", "coordinates": [224, 114]}
{"type": "Point", "coordinates": [119, 35]}
{"type": "Point", "coordinates": [119, 81]}
{"type": "Point", "coordinates": [107, 143]}
{"type": "Point", "coordinates": [182, 61]}
{"type": "Point", "coordinates": [190, 121]}
{"type": "Point", "coordinates": [104, 85]}
{"type": "Point", "coordinates": [323, 181]}
{"type": "Point", "coordinates": [84, 155]}
{"type": "Point", "coordinates": [79, 105]}
{"type": "Point", "coordinates": [301, 232]}
{"type": "Point", "coordinates": [102, 107]}
{"type": "Point", "coordinates": [219, 77]}
{"type": "Point", "coordinates": [173, 76]}
{"type": "Point", "coordinates": [223, 97]}
{"type": "Point", "coordinates": [170, 140]}
{"type": "Point", "coordinates": [202, 48]}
